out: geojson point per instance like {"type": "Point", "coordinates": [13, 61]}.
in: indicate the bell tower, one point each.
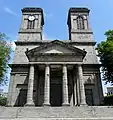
{"type": "Point", "coordinates": [31, 25]}
{"type": "Point", "coordinates": [78, 24]}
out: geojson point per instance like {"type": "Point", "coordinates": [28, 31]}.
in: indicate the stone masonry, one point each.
{"type": "Point", "coordinates": [55, 73]}
{"type": "Point", "coordinates": [58, 79]}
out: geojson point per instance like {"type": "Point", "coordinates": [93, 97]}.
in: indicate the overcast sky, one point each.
{"type": "Point", "coordinates": [55, 15]}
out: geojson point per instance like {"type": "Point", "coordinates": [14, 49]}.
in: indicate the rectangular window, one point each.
{"type": "Point", "coordinates": [31, 24]}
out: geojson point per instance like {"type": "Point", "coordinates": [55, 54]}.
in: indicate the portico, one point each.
{"type": "Point", "coordinates": [64, 83]}
{"type": "Point", "coordinates": [75, 55]}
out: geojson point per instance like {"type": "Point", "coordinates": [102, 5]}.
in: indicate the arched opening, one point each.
{"type": "Point", "coordinates": [80, 22]}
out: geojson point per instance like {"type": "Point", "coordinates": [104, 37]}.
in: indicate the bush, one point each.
{"type": "Point", "coordinates": [108, 100]}
{"type": "Point", "coordinates": [3, 101]}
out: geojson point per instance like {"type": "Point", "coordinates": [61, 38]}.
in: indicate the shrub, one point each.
{"type": "Point", "coordinates": [108, 100]}
{"type": "Point", "coordinates": [3, 101]}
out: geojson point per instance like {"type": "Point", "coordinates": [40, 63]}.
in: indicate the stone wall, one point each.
{"type": "Point", "coordinates": [20, 56]}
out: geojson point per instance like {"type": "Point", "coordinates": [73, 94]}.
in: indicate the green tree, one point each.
{"type": "Point", "coordinates": [105, 52]}
{"type": "Point", "coordinates": [5, 51]}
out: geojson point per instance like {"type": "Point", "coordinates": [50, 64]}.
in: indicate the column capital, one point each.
{"type": "Point", "coordinates": [80, 64]}
{"type": "Point", "coordinates": [64, 65]}
{"type": "Point", "coordinates": [47, 64]}
{"type": "Point", "coordinates": [31, 65]}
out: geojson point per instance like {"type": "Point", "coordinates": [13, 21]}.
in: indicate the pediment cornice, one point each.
{"type": "Point", "coordinates": [57, 42]}
{"type": "Point", "coordinates": [36, 51]}
{"type": "Point", "coordinates": [47, 41]}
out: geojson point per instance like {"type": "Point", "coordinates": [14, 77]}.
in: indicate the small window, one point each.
{"type": "Point", "coordinates": [80, 22]}
{"type": "Point", "coordinates": [31, 24]}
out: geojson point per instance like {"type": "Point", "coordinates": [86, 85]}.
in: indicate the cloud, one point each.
{"type": "Point", "coordinates": [12, 45]}
{"type": "Point", "coordinates": [47, 37]}
{"type": "Point", "coordinates": [44, 37]}
{"type": "Point", "coordinates": [48, 15]}
{"type": "Point", "coordinates": [8, 10]}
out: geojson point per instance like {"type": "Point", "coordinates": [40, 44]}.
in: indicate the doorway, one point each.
{"type": "Point", "coordinates": [56, 94]}
{"type": "Point", "coordinates": [22, 97]}
{"type": "Point", "coordinates": [89, 97]}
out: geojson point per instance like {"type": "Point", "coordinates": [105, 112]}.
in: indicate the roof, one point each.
{"type": "Point", "coordinates": [75, 9]}
{"type": "Point", "coordinates": [32, 9]}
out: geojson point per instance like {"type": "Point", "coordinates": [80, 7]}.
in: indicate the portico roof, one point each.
{"type": "Point", "coordinates": [59, 47]}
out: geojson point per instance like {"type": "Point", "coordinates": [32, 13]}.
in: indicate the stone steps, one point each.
{"type": "Point", "coordinates": [56, 113]}
{"type": "Point", "coordinates": [111, 118]}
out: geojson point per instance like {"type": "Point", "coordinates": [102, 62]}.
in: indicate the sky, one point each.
{"type": "Point", "coordinates": [55, 15]}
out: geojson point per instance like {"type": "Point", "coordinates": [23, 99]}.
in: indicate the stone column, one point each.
{"type": "Point", "coordinates": [82, 89]}
{"type": "Point", "coordinates": [78, 91]}
{"type": "Point", "coordinates": [30, 87]}
{"type": "Point", "coordinates": [75, 87]}
{"type": "Point", "coordinates": [47, 86]}
{"type": "Point", "coordinates": [65, 87]}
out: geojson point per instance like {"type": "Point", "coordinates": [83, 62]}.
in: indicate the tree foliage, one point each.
{"type": "Point", "coordinates": [3, 101]}
{"type": "Point", "coordinates": [5, 51]}
{"type": "Point", "coordinates": [105, 52]}
{"type": "Point", "coordinates": [108, 100]}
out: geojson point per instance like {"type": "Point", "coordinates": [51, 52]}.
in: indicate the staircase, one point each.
{"type": "Point", "coordinates": [56, 113]}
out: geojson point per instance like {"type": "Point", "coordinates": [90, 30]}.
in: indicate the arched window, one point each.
{"type": "Point", "coordinates": [31, 24]}
{"type": "Point", "coordinates": [80, 22]}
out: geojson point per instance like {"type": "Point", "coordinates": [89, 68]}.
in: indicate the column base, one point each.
{"type": "Point", "coordinates": [9, 105]}
{"type": "Point", "coordinates": [46, 104]}
{"type": "Point", "coordinates": [65, 104]}
{"type": "Point", "coordinates": [84, 104]}
{"type": "Point", "coordinates": [29, 105]}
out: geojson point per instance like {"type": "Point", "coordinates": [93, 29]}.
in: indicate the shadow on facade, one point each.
{"type": "Point", "coordinates": [22, 96]}
{"type": "Point", "coordinates": [55, 89]}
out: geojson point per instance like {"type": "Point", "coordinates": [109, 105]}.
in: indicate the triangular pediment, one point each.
{"type": "Point", "coordinates": [55, 47]}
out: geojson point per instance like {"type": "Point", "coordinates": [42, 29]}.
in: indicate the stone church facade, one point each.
{"type": "Point", "coordinates": [57, 72]}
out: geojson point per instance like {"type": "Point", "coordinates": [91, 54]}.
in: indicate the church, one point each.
{"type": "Point", "coordinates": [55, 72]}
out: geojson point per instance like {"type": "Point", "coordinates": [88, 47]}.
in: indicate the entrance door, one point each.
{"type": "Point", "coordinates": [56, 94]}
{"type": "Point", "coordinates": [22, 97]}
{"type": "Point", "coordinates": [89, 96]}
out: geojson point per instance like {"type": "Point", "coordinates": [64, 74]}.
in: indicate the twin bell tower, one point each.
{"type": "Point", "coordinates": [33, 22]}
